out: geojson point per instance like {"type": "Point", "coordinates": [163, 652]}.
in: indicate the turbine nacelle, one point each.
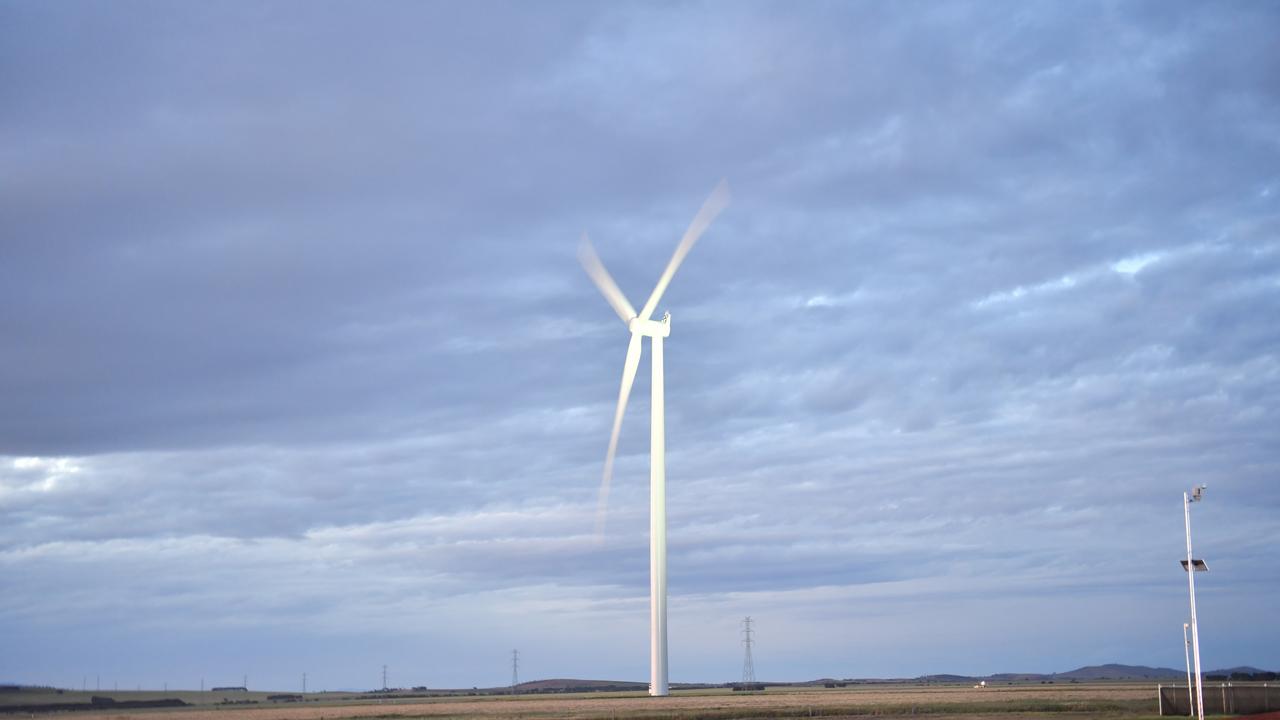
{"type": "Point", "coordinates": [651, 328]}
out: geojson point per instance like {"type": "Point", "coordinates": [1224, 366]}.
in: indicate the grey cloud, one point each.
{"type": "Point", "coordinates": [293, 288]}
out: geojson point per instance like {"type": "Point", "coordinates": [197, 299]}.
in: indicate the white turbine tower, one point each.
{"type": "Point", "coordinates": [641, 326]}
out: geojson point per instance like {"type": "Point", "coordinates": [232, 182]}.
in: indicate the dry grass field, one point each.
{"type": "Point", "coordinates": [1005, 702]}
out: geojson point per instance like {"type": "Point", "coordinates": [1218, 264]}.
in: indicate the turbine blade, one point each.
{"type": "Point", "coordinates": [628, 378]}
{"type": "Point", "coordinates": [604, 281]}
{"type": "Point", "coordinates": [718, 200]}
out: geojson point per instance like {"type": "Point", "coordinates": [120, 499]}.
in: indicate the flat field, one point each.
{"type": "Point", "coordinates": [1102, 700]}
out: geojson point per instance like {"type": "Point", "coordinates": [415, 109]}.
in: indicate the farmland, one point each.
{"type": "Point", "coordinates": [1100, 700]}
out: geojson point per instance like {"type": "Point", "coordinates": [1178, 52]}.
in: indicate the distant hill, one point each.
{"type": "Point", "coordinates": [1114, 671]}
{"type": "Point", "coordinates": [1142, 672]}
{"type": "Point", "coordinates": [571, 685]}
{"type": "Point", "coordinates": [1021, 677]}
{"type": "Point", "coordinates": [1243, 669]}
{"type": "Point", "coordinates": [1090, 673]}
{"type": "Point", "coordinates": [944, 678]}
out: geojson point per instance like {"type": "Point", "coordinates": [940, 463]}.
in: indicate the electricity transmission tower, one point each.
{"type": "Point", "coordinates": [515, 670]}
{"type": "Point", "coordinates": [748, 668]}
{"type": "Point", "coordinates": [384, 677]}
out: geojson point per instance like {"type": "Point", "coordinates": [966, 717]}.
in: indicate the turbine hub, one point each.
{"type": "Point", "coordinates": [651, 328]}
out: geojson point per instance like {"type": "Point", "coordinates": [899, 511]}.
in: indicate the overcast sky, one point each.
{"type": "Point", "coordinates": [300, 372]}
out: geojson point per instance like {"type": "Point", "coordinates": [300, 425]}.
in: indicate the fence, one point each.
{"type": "Point", "coordinates": [1220, 699]}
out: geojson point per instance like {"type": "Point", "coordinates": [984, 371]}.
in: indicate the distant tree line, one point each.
{"type": "Point", "coordinates": [1244, 677]}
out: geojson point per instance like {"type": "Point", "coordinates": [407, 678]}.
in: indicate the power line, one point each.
{"type": "Point", "coordinates": [748, 667]}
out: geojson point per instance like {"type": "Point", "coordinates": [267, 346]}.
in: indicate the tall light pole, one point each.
{"type": "Point", "coordinates": [1192, 566]}
{"type": "Point", "coordinates": [1186, 651]}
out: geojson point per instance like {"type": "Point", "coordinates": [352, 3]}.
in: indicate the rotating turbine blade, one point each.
{"type": "Point", "coordinates": [718, 201]}
{"type": "Point", "coordinates": [604, 281]}
{"type": "Point", "coordinates": [628, 378]}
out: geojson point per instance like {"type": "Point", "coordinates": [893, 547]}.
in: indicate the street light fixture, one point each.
{"type": "Point", "coordinates": [1191, 566]}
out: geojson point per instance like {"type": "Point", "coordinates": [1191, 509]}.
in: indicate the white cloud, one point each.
{"type": "Point", "coordinates": [1134, 265]}
{"type": "Point", "coordinates": [1066, 282]}
{"type": "Point", "coordinates": [35, 475]}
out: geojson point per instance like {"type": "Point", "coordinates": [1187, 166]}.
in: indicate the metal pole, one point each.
{"type": "Point", "coordinates": [1186, 651]}
{"type": "Point", "coordinates": [1195, 630]}
{"type": "Point", "coordinates": [657, 529]}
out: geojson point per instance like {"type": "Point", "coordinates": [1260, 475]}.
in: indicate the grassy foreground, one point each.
{"type": "Point", "coordinates": [1102, 700]}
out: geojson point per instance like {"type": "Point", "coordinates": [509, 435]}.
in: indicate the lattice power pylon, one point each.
{"type": "Point", "coordinates": [748, 667]}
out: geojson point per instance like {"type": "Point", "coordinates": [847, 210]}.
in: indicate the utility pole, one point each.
{"type": "Point", "coordinates": [1186, 651]}
{"type": "Point", "coordinates": [304, 683]}
{"type": "Point", "coordinates": [246, 682]}
{"type": "Point", "coordinates": [748, 667]}
{"type": "Point", "coordinates": [384, 677]}
{"type": "Point", "coordinates": [1192, 565]}
{"type": "Point", "coordinates": [515, 670]}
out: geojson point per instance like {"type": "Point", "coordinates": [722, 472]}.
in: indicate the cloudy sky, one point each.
{"type": "Point", "coordinates": [300, 372]}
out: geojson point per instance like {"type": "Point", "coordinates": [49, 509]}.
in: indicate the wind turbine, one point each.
{"type": "Point", "coordinates": [642, 326]}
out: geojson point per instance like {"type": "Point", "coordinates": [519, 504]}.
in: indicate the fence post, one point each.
{"type": "Point", "coordinates": [1160, 699]}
